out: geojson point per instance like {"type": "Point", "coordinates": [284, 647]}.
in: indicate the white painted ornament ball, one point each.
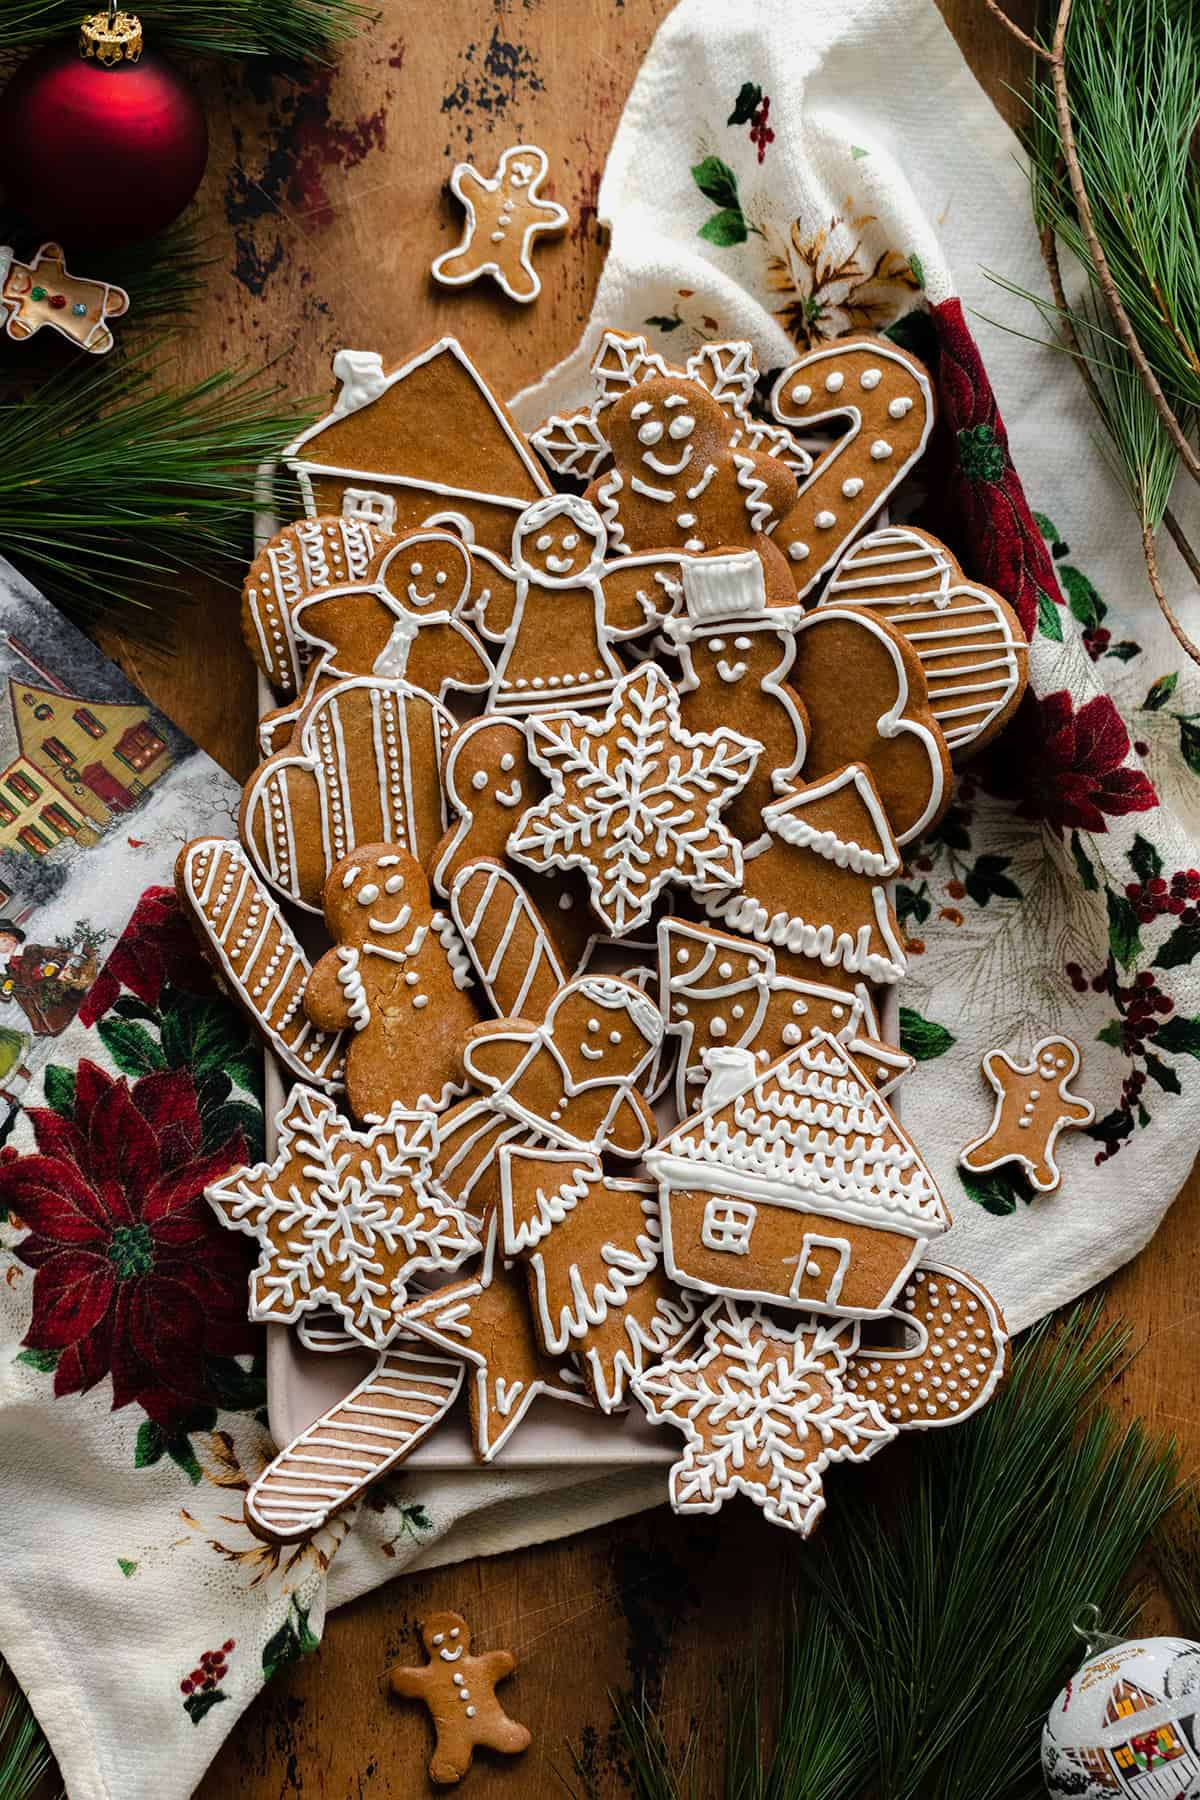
{"type": "Point", "coordinates": [1127, 1725]}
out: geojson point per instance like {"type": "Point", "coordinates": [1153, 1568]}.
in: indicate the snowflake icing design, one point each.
{"type": "Point", "coordinates": [764, 1412]}
{"type": "Point", "coordinates": [344, 1217]}
{"type": "Point", "coordinates": [634, 799]}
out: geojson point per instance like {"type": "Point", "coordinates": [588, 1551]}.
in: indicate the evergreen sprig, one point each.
{"type": "Point", "coordinates": [309, 30]}
{"type": "Point", "coordinates": [938, 1623]}
{"type": "Point", "coordinates": [24, 1757]}
{"type": "Point", "coordinates": [115, 480]}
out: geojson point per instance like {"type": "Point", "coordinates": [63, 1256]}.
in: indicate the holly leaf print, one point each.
{"type": "Point", "coordinates": [1181, 948]}
{"type": "Point", "coordinates": [1123, 938]}
{"type": "Point", "coordinates": [749, 95]}
{"type": "Point", "coordinates": [717, 182]}
{"type": "Point", "coordinates": [987, 878]}
{"type": "Point", "coordinates": [1144, 859]}
{"type": "Point", "coordinates": [664, 323]}
{"type": "Point", "coordinates": [1087, 875]}
{"type": "Point", "coordinates": [1160, 692]}
{"type": "Point", "coordinates": [913, 903]}
{"type": "Point", "coordinates": [1082, 598]}
{"type": "Point", "coordinates": [1189, 744]}
{"type": "Point", "coordinates": [999, 1191]}
{"type": "Point", "coordinates": [1049, 623]}
{"type": "Point", "coordinates": [58, 1085]}
{"type": "Point", "coordinates": [725, 228]}
{"type": "Point", "coordinates": [1162, 1072]}
{"type": "Point", "coordinates": [1179, 1037]}
{"type": "Point", "coordinates": [923, 1038]}
{"type": "Point", "coordinates": [131, 1047]}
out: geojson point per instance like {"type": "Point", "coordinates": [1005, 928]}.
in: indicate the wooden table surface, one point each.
{"type": "Point", "coordinates": [325, 204]}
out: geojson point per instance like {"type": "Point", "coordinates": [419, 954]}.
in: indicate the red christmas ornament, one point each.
{"type": "Point", "coordinates": [104, 143]}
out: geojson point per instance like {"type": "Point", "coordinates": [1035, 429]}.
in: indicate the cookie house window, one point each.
{"type": "Point", "coordinates": [25, 789]}
{"type": "Point", "coordinates": [369, 504]}
{"type": "Point", "coordinates": [87, 721]}
{"type": "Point", "coordinates": [727, 1226]}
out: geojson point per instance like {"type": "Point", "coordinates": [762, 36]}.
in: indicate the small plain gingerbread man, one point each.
{"type": "Point", "coordinates": [1033, 1104]}
{"type": "Point", "coordinates": [504, 216]}
{"type": "Point", "coordinates": [460, 1692]}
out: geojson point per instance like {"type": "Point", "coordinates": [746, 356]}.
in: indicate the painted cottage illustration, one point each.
{"type": "Point", "coordinates": [426, 443]}
{"type": "Point", "coordinates": [795, 1185]}
{"type": "Point", "coordinates": [1145, 1755]}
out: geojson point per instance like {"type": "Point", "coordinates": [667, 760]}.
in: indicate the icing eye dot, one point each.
{"type": "Point", "coordinates": [716, 645]}
{"type": "Point", "coordinates": [367, 894]}
{"type": "Point", "coordinates": [650, 432]}
{"type": "Point", "coordinates": [682, 426]}
{"type": "Point", "coordinates": [440, 578]}
{"type": "Point", "coordinates": [640, 410]}
{"type": "Point", "coordinates": [570, 541]}
{"type": "Point", "coordinates": [439, 1637]}
{"type": "Point", "coordinates": [454, 1632]}
{"type": "Point", "coordinates": [416, 568]}
{"type": "Point", "coordinates": [506, 762]}
{"type": "Point", "coordinates": [742, 643]}
{"type": "Point", "coordinates": [479, 780]}
{"type": "Point", "coordinates": [393, 884]}
{"type": "Point", "coordinates": [593, 1024]}
{"type": "Point", "coordinates": [614, 1037]}
{"type": "Point", "coordinates": [544, 542]}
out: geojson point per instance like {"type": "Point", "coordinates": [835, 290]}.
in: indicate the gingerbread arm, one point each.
{"type": "Point", "coordinates": [327, 1000]}
{"type": "Point", "coordinates": [638, 593]}
{"type": "Point", "coordinates": [493, 601]}
{"type": "Point", "coordinates": [494, 1665]}
{"type": "Point", "coordinates": [469, 185]}
{"type": "Point", "coordinates": [631, 1128]}
{"type": "Point", "coordinates": [993, 1064]}
{"type": "Point", "coordinates": [410, 1684]}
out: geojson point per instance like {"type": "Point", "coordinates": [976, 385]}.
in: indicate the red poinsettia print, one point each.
{"type": "Point", "coordinates": [135, 1277]}
{"type": "Point", "coordinates": [1068, 766]}
{"type": "Point", "coordinates": [989, 514]}
{"type": "Point", "coordinates": [157, 945]}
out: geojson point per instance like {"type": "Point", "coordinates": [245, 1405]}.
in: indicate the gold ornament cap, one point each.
{"type": "Point", "coordinates": [111, 37]}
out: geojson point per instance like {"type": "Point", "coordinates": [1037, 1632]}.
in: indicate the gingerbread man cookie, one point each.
{"type": "Point", "coordinates": [505, 215]}
{"type": "Point", "coordinates": [1033, 1104]}
{"type": "Point", "coordinates": [43, 293]}
{"type": "Point", "coordinates": [396, 981]}
{"type": "Point", "coordinates": [460, 1692]}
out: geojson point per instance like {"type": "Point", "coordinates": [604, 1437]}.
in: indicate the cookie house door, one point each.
{"type": "Point", "coordinates": [820, 1269]}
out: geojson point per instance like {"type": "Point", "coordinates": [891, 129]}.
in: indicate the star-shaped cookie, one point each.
{"type": "Point", "coordinates": [634, 799]}
{"type": "Point", "coordinates": [344, 1217]}
{"type": "Point", "coordinates": [486, 1322]}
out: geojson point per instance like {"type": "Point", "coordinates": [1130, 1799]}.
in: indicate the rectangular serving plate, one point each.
{"type": "Point", "coordinates": [304, 1384]}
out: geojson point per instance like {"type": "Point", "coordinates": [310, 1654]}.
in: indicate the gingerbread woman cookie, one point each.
{"type": "Point", "coordinates": [1034, 1104]}
{"type": "Point", "coordinates": [505, 215]}
{"type": "Point", "coordinates": [41, 292]}
{"type": "Point", "coordinates": [460, 1691]}
{"type": "Point", "coordinates": [397, 981]}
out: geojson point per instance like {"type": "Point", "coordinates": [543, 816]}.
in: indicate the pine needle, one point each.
{"type": "Point", "coordinates": [116, 480]}
{"type": "Point", "coordinates": [24, 1756]}
{"type": "Point", "coordinates": [309, 30]}
{"type": "Point", "coordinates": [1177, 1553]}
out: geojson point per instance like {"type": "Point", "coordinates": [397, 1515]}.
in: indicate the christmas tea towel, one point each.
{"type": "Point", "coordinates": [788, 174]}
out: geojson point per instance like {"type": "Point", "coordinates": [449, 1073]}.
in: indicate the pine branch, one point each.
{"type": "Point", "coordinates": [309, 30]}
{"type": "Point", "coordinates": [24, 1756]}
{"type": "Point", "coordinates": [116, 480]}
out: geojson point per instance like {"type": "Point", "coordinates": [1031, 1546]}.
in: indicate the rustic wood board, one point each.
{"type": "Point", "coordinates": [325, 205]}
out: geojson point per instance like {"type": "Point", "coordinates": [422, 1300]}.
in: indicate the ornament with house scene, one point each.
{"type": "Point", "coordinates": [592, 1245]}
{"type": "Point", "coordinates": [764, 1412]}
{"type": "Point", "coordinates": [814, 885]}
{"type": "Point", "coordinates": [635, 800]}
{"type": "Point", "coordinates": [425, 443]}
{"type": "Point", "coordinates": [795, 1185]}
{"type": "Point", "coordinates": [1126, 1726]}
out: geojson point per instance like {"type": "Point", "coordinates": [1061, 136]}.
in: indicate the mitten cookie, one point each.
{"type": "Point", "coordinates": [299, 561]}
{"type": "Point", "coordinates": [397, 979]}
{"type": "Point", "coordinates": [460, 1691]}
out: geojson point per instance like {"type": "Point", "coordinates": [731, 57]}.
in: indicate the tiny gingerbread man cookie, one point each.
{"type": "Point", "coordinates": [1033, 1104]}
{"type": "Point", "coordinates": [460, 1692]}
{"type": "Point", "coordinates": [504, 216]}
{"type": "Point", "coordinates": [43, 292]}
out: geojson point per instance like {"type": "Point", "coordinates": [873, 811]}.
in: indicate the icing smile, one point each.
{"type": "Point", "coordinates": [451, 1655]}
{"type": "Point", "coordinates": [592, 1055]}
{"type": "Point", "coordinates": [731, 671]}
{"type": "Point", "coordinates": [511, 797]}
{"type": "Point", "coordinates": [560, 565]}
{"type": "Point", "coordinates": [398, 923]}
{"type": "Point", "coordinates": [419, 599]}
{"type": "Point", "coordinates": [665, 468]}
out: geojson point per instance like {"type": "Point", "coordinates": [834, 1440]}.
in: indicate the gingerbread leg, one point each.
{"type": "Point", "coordinates": [506, 1735]}
{"type": "Point", "coordinates": [446, 1769]}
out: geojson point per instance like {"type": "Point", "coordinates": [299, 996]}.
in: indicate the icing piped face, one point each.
{"type": "Point", "coordinates": [445, 1637]}
{"type": "Point", "coordinates": [725, 658]}
{"type": "Point", "coordinates": [659, 428]}
{"type": "Point", "coordinates": [559, 542]}
{"type": "Point", "coordinates": [492, 769]}
{"type": "Point", "coordinates": [431, 570]}
{"type": "Point", "coordinates": [520, 169]}
{"type": "Point", "coordinates": [379, 894]}
{"type": "Point", "coordinates": [599, 1037]}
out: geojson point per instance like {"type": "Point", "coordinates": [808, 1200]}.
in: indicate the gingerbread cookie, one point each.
{"type": "Point", "coordinates": [953, 1365]}
{"type": "Point", "coordinates": [41, 293]}
{"type": "Point", "coordinates": [681, 478]}
{"type": "Point", "coordinates": [343, 1218]}
{"type": "Point", "coordinates": [1034, 1104]}
{"type": "Point", "coordinates": [885, 399]}
{"type": "Point", "coordinates": [490, 780]}
{"type": "Point", "coordinates": [460, 1692]}
{"type": "Point", "coordinates": [795, 1185]}
{"type": "Point", "coordinates": [302, 559]}
{"type": "Point", "coordinates": [969, 639]}
{"type": "Point", "coordinates": [397, 980]}
{"type": "Point", "coordinates": [426, 443]}
{"type": "Point", "coordinates": [376, 1427]}
{"type": "Point", "coordinates": [505, 216]}
{"type": "Point", "coordinates": [867, 703]}
{"type": "Point", "coordinates": [814, 884]}
{"type": "Point", "coordinates": [794, 1415]}
{"type": "Point", "coordinates": [635, 800]}
{"type": "Point", "coordinates": [364, 767]}
{"type": "Point", "coordinates": [258, 958]}
{"type": "Point", "coordinates": [718, 991]}
{"type": "Point", "coordinates": [506, 940]}
{"type": "Point", "coordinates": [566, 608]}
{"type": "Point", "coordinates": [735, 657]}
{"type": "Point", "coordinates": [485, 1322]}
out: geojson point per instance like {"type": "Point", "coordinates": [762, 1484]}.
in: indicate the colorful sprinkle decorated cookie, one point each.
{"type": "Point", "coordinates": [42, 293]}
{"type": "Point", "coordinates": [1034, 1103]}
{"type": "Point", "coordinates": [506, 214]}
{"type": "Point", "coordinates": [460, 1691]}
